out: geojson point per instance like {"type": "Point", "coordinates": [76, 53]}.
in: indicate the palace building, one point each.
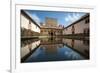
{"type": "Point", "coordinates": [30, 28]}
{"type": "Point", "coordinates": [51, 27]}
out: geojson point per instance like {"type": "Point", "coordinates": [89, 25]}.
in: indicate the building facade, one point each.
{"type": "Point", "coordinates": [51, 31]}
{"type": "Point", "coordinates": [51, 28]}
{"type": "Point", "coordinates": [28, 26]}
{"type": "Point", "coordinates": [79, 27]}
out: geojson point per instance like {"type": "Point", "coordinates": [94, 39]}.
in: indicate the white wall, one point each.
{"type": "Point", "coordinates": [25, 23]}
{"type": "Point", "coordinates": [35, 28]}
{"type": "Point", "coordinates": [68, 30]}
{"type": "Point", "coordinates": [80, 26]}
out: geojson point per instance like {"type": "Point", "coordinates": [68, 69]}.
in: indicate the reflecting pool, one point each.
{"type": "Point", "coordinates": [54, 49]}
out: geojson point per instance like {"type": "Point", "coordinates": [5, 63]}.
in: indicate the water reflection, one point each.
{"type": "Point", "coordinates": [81, 46]}
{"type": "Point", "coordinates": [27, 48]}
{"type": "Point", "coordinates": [54, 49]}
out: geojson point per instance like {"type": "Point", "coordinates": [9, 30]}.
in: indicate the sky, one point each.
{"type": "Point", "coordinates": [63, 18]}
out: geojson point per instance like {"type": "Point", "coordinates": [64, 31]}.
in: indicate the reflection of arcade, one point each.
{"type": "Point", "coordinates": [51, 40]}
{"type": "Point", "coordinates": [28, 48]}
{"type": "Point", "coordinates": [81, 46]}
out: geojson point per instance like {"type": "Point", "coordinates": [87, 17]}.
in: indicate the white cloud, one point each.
{"type": "Point", "coordinates": [76, 16]}
{"type": "Point", "coordinates": [34, 17]}
{"type": "Point", "coordinates": [66, 19]}
{"type": "Point", "coordinates": [72, 18]}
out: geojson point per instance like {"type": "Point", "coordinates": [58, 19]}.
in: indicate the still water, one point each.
{"type": "Point", "coordinates": [54, 49]}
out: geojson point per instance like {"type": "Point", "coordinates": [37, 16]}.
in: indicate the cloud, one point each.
{"type": "Point", "coordinates": [34, 17]}
{"type": "Point", "coordinates": [66, 19]}
{"type": "Point", "coordinates": [72, 17]}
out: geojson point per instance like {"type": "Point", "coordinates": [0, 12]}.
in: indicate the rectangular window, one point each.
{"type": "Point", "coordinates": [29, 22]}
{"type": "Point", "coordinates": [29, 25]}
{"type": "Point", "coordinates": [87, 21]}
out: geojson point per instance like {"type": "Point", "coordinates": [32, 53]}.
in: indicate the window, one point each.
{"type": "Point", "coordinates": [29, 22]}
{"type": "Point", "coordinates": [86, 21]}
{"type": "Point", "coordinates": [36, 26]}
{"type": "Point", "coordinates": [73, 29]}
{"type": "Point", "coordinates": [29, 25]}
{"type": "Point", "coordinates": [86, 31]}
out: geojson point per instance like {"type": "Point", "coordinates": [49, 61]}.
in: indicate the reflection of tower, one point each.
{"type": "Point", "coordinates": [50, 49]}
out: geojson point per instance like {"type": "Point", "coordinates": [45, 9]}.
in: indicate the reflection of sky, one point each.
{"type": "Point", "coordinates": [63, 53]}
{"type": "Point", "coordinates": [64, 18]}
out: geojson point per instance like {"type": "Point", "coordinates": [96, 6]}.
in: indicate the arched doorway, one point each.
{"type": "Point", "coordinates": [51, 33]}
